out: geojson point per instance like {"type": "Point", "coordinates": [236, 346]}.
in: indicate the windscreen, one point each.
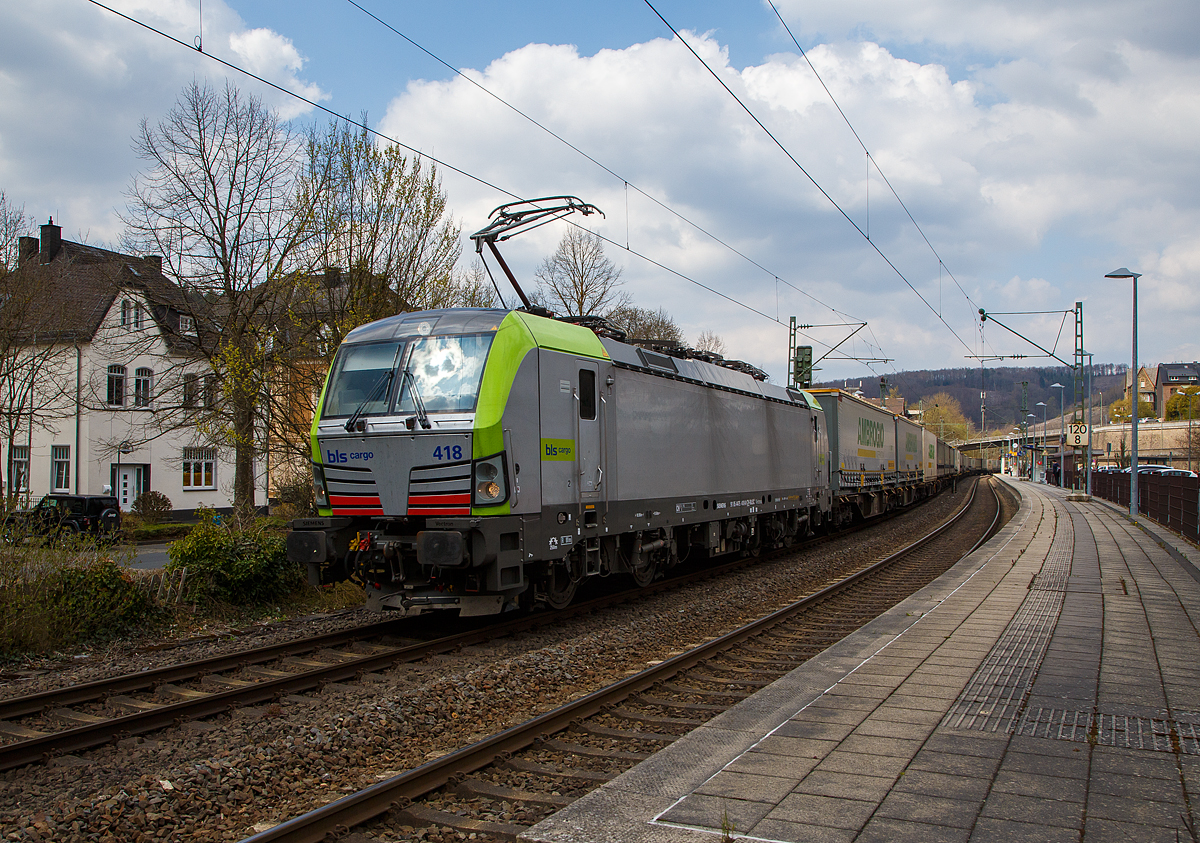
{"type": "Point", "coordinates": [362, 380]}
{"type": "Point", "coordinates": [444, 372]}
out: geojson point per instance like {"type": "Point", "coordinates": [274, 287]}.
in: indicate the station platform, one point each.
{"type": "Point", "coordinates": [1046, 688]}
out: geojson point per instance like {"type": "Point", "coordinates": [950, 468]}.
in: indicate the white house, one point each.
{"type": "Point", "coordinates": [104, 386]}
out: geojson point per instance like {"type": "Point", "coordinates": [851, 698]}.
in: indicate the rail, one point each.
{"type": "Point", "coordinates": [398, 791]}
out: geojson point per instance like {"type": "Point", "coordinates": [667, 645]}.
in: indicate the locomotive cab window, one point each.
{"type": "Point", "coordinates": [373, 379]}
{"type": "Point", "coordinates": [587, 394]}
{"type": "Point", "coordinates": [362, 379]}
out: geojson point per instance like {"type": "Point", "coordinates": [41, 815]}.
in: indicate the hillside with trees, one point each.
{"type": "Point", "coordinates": [1003, 387]}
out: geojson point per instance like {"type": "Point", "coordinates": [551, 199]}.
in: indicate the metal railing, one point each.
{"type": "Point", "coordinates": [1173, 502]}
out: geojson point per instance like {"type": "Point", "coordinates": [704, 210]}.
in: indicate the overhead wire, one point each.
{"type": "Point", "coordinates": [627, 183]}
{"type": "Point", "coordinates": [870, 157]}
{"type": "Point", "coordinates": [375, 133]}
{"type": "Point", "coordinates": [808, 175]}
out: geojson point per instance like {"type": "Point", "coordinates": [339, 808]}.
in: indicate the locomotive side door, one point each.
{"type": "Point", "coordinates": [588, 452]}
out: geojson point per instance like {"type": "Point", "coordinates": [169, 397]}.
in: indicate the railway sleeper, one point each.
{"type": "Point", "coordinates": [476, 788]}
{"type": "Point", "coordinates": [682, 706]}
{"type": "Point", "coordinates": [560, 771]}
{"type": "Point", "coordinates": [730, 680]}
{"type": "Point", "coordinates": [68, 717]}
{"type": "Point", "coordinates": [226, 683]}
{"type": "Point", "coordinates": [8, 729]}
{"type": "Point", "coordinates": [130, 704]}
{"type": "Point", "coordinates": [708, 693]}
{"type": "Point", "coordinates": [624, 734]}
{"type": "Point", "coordinates": [593, 751]}
{"type": "Point", "coordinates": [176, 693]}
{"type": "Point", "coordinates": [421, 816]}
{"type": "Point", "coordinates": [651, 720]}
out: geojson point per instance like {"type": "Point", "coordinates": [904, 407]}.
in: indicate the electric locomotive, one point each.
{"type": "Point", "coordinates": [484, 460]}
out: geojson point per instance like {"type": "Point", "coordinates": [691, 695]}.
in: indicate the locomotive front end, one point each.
{"type": "Point", "coordinates": [413, 484]}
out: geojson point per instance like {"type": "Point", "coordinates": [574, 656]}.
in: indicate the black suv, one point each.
{"type": "Point", "coordinates": [64, 515]}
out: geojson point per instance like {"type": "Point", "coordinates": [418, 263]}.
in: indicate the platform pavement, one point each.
{"type": "Point", "coordinates": [1046, 688]}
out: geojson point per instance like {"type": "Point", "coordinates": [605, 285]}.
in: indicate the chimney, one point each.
{"type": "Point", "coordinates": [51, 241]}
{"type": "Point", "coordinates": [155, 261]}
{"type": "Point", "coordinates": [27, 250]}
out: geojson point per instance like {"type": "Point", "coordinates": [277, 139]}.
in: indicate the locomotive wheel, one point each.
{"type": "Point", "coordinates": [644, 571]}
{"type": "Point", "coordinates": [560, 588]}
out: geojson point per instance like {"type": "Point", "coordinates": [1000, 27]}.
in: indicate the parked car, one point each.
{"type": "Point", "coordinates": [65, 515]}
{"type": "Point", "coordinates": [1177, 472]}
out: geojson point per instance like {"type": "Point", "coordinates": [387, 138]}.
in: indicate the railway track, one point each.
{"type": "Point", "coordinates": [498, 787]}
{"type": "Point", "coordinates": [44, 726]}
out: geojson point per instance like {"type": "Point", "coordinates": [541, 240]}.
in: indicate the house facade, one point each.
{"type": "Point", "coordinates": [1173, 377]}
{"type": "Point", "coordinates": [1147, 379]}
{"type": "Point", "coordinates": [104, 388]}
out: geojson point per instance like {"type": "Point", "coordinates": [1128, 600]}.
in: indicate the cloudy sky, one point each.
{"type": "Point", "coordinates": [1038, 146]}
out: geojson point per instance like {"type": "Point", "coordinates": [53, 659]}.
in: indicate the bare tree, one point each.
{"type": "Point", "coordinates": [710, 342]}
{"type": "Point", "coordinates": [579, 278]}
{"type": "Point", "coordinates": [218, 201]}
{"type": "Point", "coordinates": [13, 224]}
{"type": "Point", "coordinates": [381, 218]}
{"type": "Point", "coordinates": [644, 324]}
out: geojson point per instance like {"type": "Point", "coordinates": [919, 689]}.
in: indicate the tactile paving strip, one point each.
{"type": "Point", "coordinates": [1117, 730]}
{"type": "Point", "coordinates": [993, 699]}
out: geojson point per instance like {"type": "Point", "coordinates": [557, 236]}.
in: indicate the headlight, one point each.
{"type": "Point", "coordinates": [320, 494]}
{"type": "Point", "coordinates": [490, 487]}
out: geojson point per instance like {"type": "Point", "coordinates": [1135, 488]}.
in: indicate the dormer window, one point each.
{"type": "Point", "coordinates": [187, 325]}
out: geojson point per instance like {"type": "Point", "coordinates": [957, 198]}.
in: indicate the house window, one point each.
{"type": "Point", "coordinates": [186, 325]}
{"type": "Point", "coordinates": [142, 381]}
{"type": "Point", "coordinates": [199, 468]}
{"type": "Point", "coordinates": [210, 391]}
{"type": "Point", "coordinates": [131, 315]}
{"type": "Point", "coordinates": [116, 386]}
{"type": "Point", "coordinates": [19, 468]}
{"type": "Point", "coordinates": [191, 391]}
{"type": "Point", "coordinates": [60, 468]}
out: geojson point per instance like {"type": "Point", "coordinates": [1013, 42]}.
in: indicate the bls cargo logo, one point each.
{"type": "Point", "coordinates": [558, 449]}
{"type": "Point", "coordinates": [870, 433]}
{"type": "Point", "coordinates": [334, 457]}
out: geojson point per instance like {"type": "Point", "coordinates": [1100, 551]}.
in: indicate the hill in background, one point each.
{"type": "Point", "coordinates": [1003, 387]}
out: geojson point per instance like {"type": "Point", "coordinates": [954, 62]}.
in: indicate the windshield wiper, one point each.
{"type": "Point", "coordinates": [379, 389]}
{"type": "Point", "coordinates": [422, 416]}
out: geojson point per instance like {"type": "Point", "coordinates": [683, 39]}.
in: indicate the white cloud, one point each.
{"type": "Point", "coordinates": [1038, 146]}
{"type": "Point", "coordinates": [76, 81]}
{"type": "Point", "coordinates": [997, 184]}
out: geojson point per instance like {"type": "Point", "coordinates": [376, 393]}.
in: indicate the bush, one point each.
{"type": "Point", "coordinates": [294, 499]}
{"type": "Point", "coordinates": [153, 507]}
{"type": "Point", "coordinates": [243, 567]}
{"type": "Point", "coordinates": [63, 606]}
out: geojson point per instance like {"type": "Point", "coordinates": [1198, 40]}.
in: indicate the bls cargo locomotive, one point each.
{"type": "Point", "coordinates": [486, 460]}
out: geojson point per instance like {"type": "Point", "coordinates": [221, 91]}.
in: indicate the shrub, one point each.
{"type": "Point", "coordinates": [58, 607]}
{"type": "Point", "coordinates": [295, 498]}
{"type": "Point", "coordinates": [243, 567]}
{"type": "Point", "coordinates": [153, 507]}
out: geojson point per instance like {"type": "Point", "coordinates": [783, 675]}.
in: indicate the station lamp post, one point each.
{"type": "Point", "coordinates": [1062, 462]}
{"type": "Point", "coordinates": [1032, 445]}
{"type": "Point", "coordinates": [1045, 450]}
{"type": "Point", "coordinates": [1133, 398]}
